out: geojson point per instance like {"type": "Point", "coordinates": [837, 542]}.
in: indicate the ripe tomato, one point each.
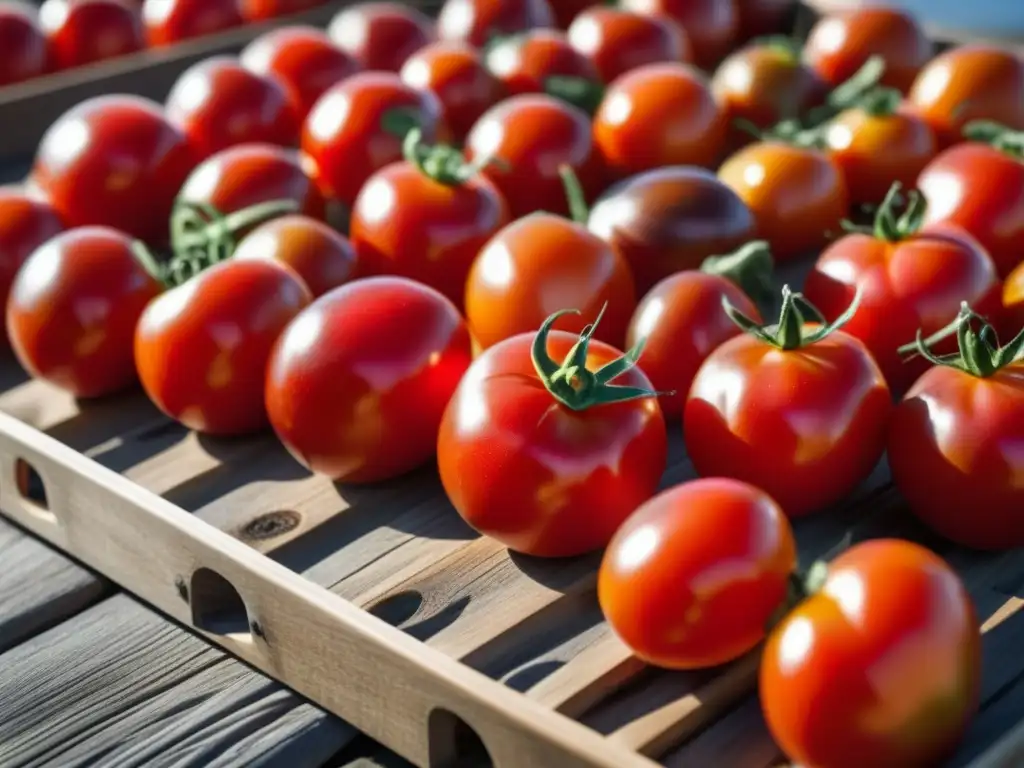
{"type": "Point", "coordinates": [426, 218]}
{"type": "Point", "coordinates": [657, 115]}
{"type": "Point", "coordinates": [202, 347]}
{"type": "Point", "coordinates": [477, 22]}
{"type": "Point", "coordinates": [682, 322]}
{"type": "Point", "coordinates": [23, 47]}
{"type": "Point", "coordinates": [219, 103]}
{"type": "Point", "coordinates": [797, 195]}
{"type": "Point", "coordinates": [967, 83]}
{"type": "Point", "coordinates": [381, 35]}
{"type": "Point", "coordinates": [529, 137]}
{"type": "Point", "coordinates": [115, 161]}
{"type": "Point", "coordinates": [261, 10]}
{"type": "Point", "coordinates": [456, 74]}
{"type": "Point", "coordinates": [302, 59]}
{"type": "Point", "coordinates": [764, 18]}
{"type": "Point", "coordinates": [617, 41]}
{"type": "Point", "coordinates": [711, 25]}
{"type": "Point", "coordinates": [171, 21]}
{"type": "Point", "coordinates": [548, 459]}
{"type": "Point", "coordinates": [675, 572]}
{"type": "Point", "coordinates": [83, 31]}
{"type": "Point", "coordinates": [524, 63]}
{"type": "Point", "coordinates": [881, 666]}
{"type": "Point", "coordinates": [567, 10]}
{"type": "Point", "coordinates": [73, 307]}
{"type": "Point", "coordinates": [358, 382]}
{"type": "Point", "coordinates": [670, 219]}
{"type": "Point", "coordinates": [322, 257]}
{"type": "Point", "coordinates": [346, 133]}
{"type": "Point", "coordinates": [797, 409]}
{"type": "Point", "coordinates": [1013, 300]}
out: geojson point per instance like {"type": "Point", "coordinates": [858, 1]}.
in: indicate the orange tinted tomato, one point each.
{"type": "Point", "coordinates": [1013, 301]}
{"type": "Point", "coordinates": [73, 307]}
{"type": "Point", "coordinates": [202, 347]}
{"type": "Point", "coordinates": [170, 21]}
{"type": "Point", "coordinates": [23, 47]}
{"type": "Point", "coordinates": [693, 577]}
{"type": "Point", "coordinates": [618, 41]}
{"type": "Point", "coordinates": [477, 22]}
{"type": "Point", "coordinates": [880, 667]}
{"type": "Point", "coordinates": [542, 477]}
{"type": "Point", "coordinates": [260, 10]}
{"type": "Point", "coordinates": [358, 381]}
{"type": "Point", "coordinates": [381, 35]}
{"type": "Point", "coordinates": [656, 115]}
{"type": "Point", "coordinates": [797, 195]}
{"type": "Point", "coordinates": [711, 25]}
{"type": "Point", "coordinates": [524, 62]}
{"type": "Point", "coordinates": [805, 420]}
{"type": "Point", "coordinates": [763, 18]}
{"type": "Point", "coordinates": [84, 31]}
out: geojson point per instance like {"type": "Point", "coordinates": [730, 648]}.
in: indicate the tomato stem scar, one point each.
{"type": "Point", "coordinates": [791, 332]}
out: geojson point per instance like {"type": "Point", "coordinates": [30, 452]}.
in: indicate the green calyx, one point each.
{"type": "Point", "coordinates": [441, 163]}
{"type": "Point", "coordinates": [571, 383]}
{"type": "Point", "coordinates": [801, 585]}
{"type": "Point", "coordinates": [787, 48]}
{"type": "Point", "coordinates": [897, 217]}
{"type": "Point", "coordinates": [999, 136]}
{"type": "Point", "coordinates": [881, 102]}
{"type": "Point", "coordinates": [750, 267]}
{"type": "Point", "coordinates": [790, 332]}
{"type": "Point", "coordinates": [576, 91]}
{"type": "Point", "coordinates": [579, 211]}
{"type": "Point", "coordinates": [979, 352]}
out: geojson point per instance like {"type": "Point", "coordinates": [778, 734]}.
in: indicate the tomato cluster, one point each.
{"type": "Point", "coordinates": [533, 241]}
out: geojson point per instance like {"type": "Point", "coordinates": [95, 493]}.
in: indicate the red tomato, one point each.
{"type": "Point", "coordinates": [711, 25]}
{"type": "Point", "coordinates": [346, 134]}
{"type": "Point", "coordinates": [456, 74]}
{"type": "Point", "coordinates": [880, 667]}
{"type": "Point", "coordinates": [23, 47]}
{"type": "Point", "coordinates": [682, 322]}
{"type": "Point", "coordinates": [73, 308]}
{"type": "Point", "coordinates": [550, 460]}
{"type": "Point", "coordinates": [567, 10]}
{"type": "Point", "coordinates": [219, 103]}
{"type": "Point", "coordinates": [322, 257]}
{"type": "Point", "coordinates": [675, 572]}
{"type": "Point", "coordinates": [202, 348]}
{"type": "Point", "coordinates": [302, 59]}
{"type": "Point", "coordinates": [764, 18]}
{"type": "Point", "coordinates": [260, 10]}
{"type": "Point", "coordinates": [83, 31]}
{"type": "Point", "coordinates": [358, 382]}
{"type": "Point", "coordinates": [115, 161]}
{"type": "Point", "coordinates": [530, 137]}
{"type": "Point", "coordinates": [1013, 300]}
{"type": "Point", "coordinates": [381, 35]}
{"type": "Point", "coordinates": [477, 22]}
{"type": "Point", "coordinates": [798, 410]}
{"type": "Point", "coordinates": [525, 62]}
{"type": "Point", "coordinates": [658, 115]}
{"type": "Point", "coordinates": [171, 21]}
{"type": "Point", "coordinates": [618, 41]}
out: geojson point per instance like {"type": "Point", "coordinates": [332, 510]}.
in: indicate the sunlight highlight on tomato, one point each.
{"type": "Point", "coordinates": [477, 22]}
{"type": "Point", "coordinates": [523, 63]}
{"type": "Point", "coordinates": [23, 53]}
{"type": "Point", "coordinates": [617, 41]}
{"type": "Point", "coordinates": [381, 35]}
{"type": "Point", "coordinates": [81, 32]}
{"type": "Point", "coordinates": [170, 21]}
{"type": "Point", "coordinates": [711, 25]}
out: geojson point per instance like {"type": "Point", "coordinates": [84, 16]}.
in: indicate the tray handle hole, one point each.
{"type": "Point", "coordinates": [454, 743]}
{"type": "Point", "coordinates": [31, 488]}
{"type": "Point", "coordinates": [217, 607]}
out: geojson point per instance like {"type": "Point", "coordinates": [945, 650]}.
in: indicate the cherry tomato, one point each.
{"type": "Point", "coordinates": [73, 307]}
{"type": "Point", "coordinates": [219, 103]}
{"type": "Point", "coordinates": [477, 22]}
{"type": "Point", "coordinates": [529, 137]}
{"type": "Point", "coordinates": [670, 219]}
{"type": "Point", "coordinates": [23, 46]}
{"type": "Point", "coordinates": [617, 41]}
{"type": "Point", "coordinates": [346, 133]}
{"type": "Point", "coordinates": [711, 25]}
{"type": "Point", "coordinates": [357, 384]}
{"type": "Point", "coordinates": [456, 74]}
{"type": "Point", "coordinates": [966, 83]}
{"type": "Point", "coordinates": [426, 219]}
{"type": "Point", "coordinates": [657, 115]}
{"type": "Point", "coordinates": [261, 10]}
{"type": "Point", "coordinates": [83, 31]}
{"type": "Point", "coordinates": [879, 667]}
{"type": "Point", "coordinates": [302, 59]}
{"type": "Point", "coordinates": [675, 572]}
{"type": "Point", "coordinates": [1013, 300]}
{"type": "Point", "coordinates": [764, 18]}
{"type": "Point", "coordinates": [523, 63]}
{"type": "Point", "coordinates": [202, 347]}
{"type": "Point", "coordinates": [567, 10]}
{"type": "Point", "coordinates": [797, 195]}
{"type": "Point", "coordinates": [115, 161]}
{"type": "Point", "coordinates": [381, 35]}
{"type": "Point", "coordinates": [799, 410]}
{"type": "Point", "coordinates": [548, 466]}
{"type": "Point", "coordinates": [171, 21]}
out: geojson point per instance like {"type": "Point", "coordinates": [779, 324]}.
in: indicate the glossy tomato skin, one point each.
{"type": "Point", "coordinates": [23, 46]}
{"type": "Point", "coordinates": [711, 25]}
{"type": "Point", "coordinates": [477, 22]}
{"type": "Point", "coordinates": [881, 667]}
{"type": "Point", "coordinates": [73, 308]}
{"type": "Point", "coordinates": [658, 115]}
{"type": "Point", "coordinates": [980, 189]}
{"type": "Point", "coordinates": [567, 10]}
{"type": "Point", "coordinates": [209, 380]}
{"type": "Point", "coordinates": [1013, 302]}
{"type": "Point", "coordinates": [530, 136]}
{"type": "Point", "coordinates": [682, 320]}
{"type": "Point", "coordinates": [523, 63]}
{"type": "Point", "coordinates": [381, 35]}
{"type": "Point", "coordinates": [456, 74]}
{"type": "Point", "coordinates": [670, 219]}
{"type": "Point", "coordinates": [114, 161]}
{"type": "Point", "coordinates": [261, 10]}
{"type": "Point", "coordinates": [357, 384]}
{"type": "Point", "coordinates": [676, 573]}
{"type": "Point", "coordinates": [170, 21]}
{"type": "Point", "coordinates": [302, 59]}
{"type": "Point", "coordinates": [617, 41]}
{"type": "Point", "coordinates": [406, 223]}
{"type": "Point", "coordinates": [536, 476]}
{"type": "Point", "coordinates": [345, 137]}
{"type": "Point", "coordinates": [84, 31]}
{"type": "Point", "coordinates": [806, 425]}
{"type": "Point", "coordinates": [522, 276]}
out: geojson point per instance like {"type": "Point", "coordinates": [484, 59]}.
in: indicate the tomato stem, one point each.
{"type": "Point", "coordinates": [750, 267]}
{"type": "Point", "coordinates": [441, 163]}
{"type": "Point", "coordinates": [579, 211]}
{"type": "Point", "coordinates": [788, 47]}
{"type": "Point", "coordinates": [881, 102]}
{"type": "Point", "coordinates": [979, 353]}
{"type": "Point", "coordinates": [791, 331]}
{"type": "Point", "coordinates": [800, 586]}
{"type": "Point", "coordinates": [399, 121]}
{"type": "Point", "coordinates": [891, 225]}
{"type": "Point", "coordinates": [578, 92]}
{"type": "Point", "coordinates": [1001, 137]}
